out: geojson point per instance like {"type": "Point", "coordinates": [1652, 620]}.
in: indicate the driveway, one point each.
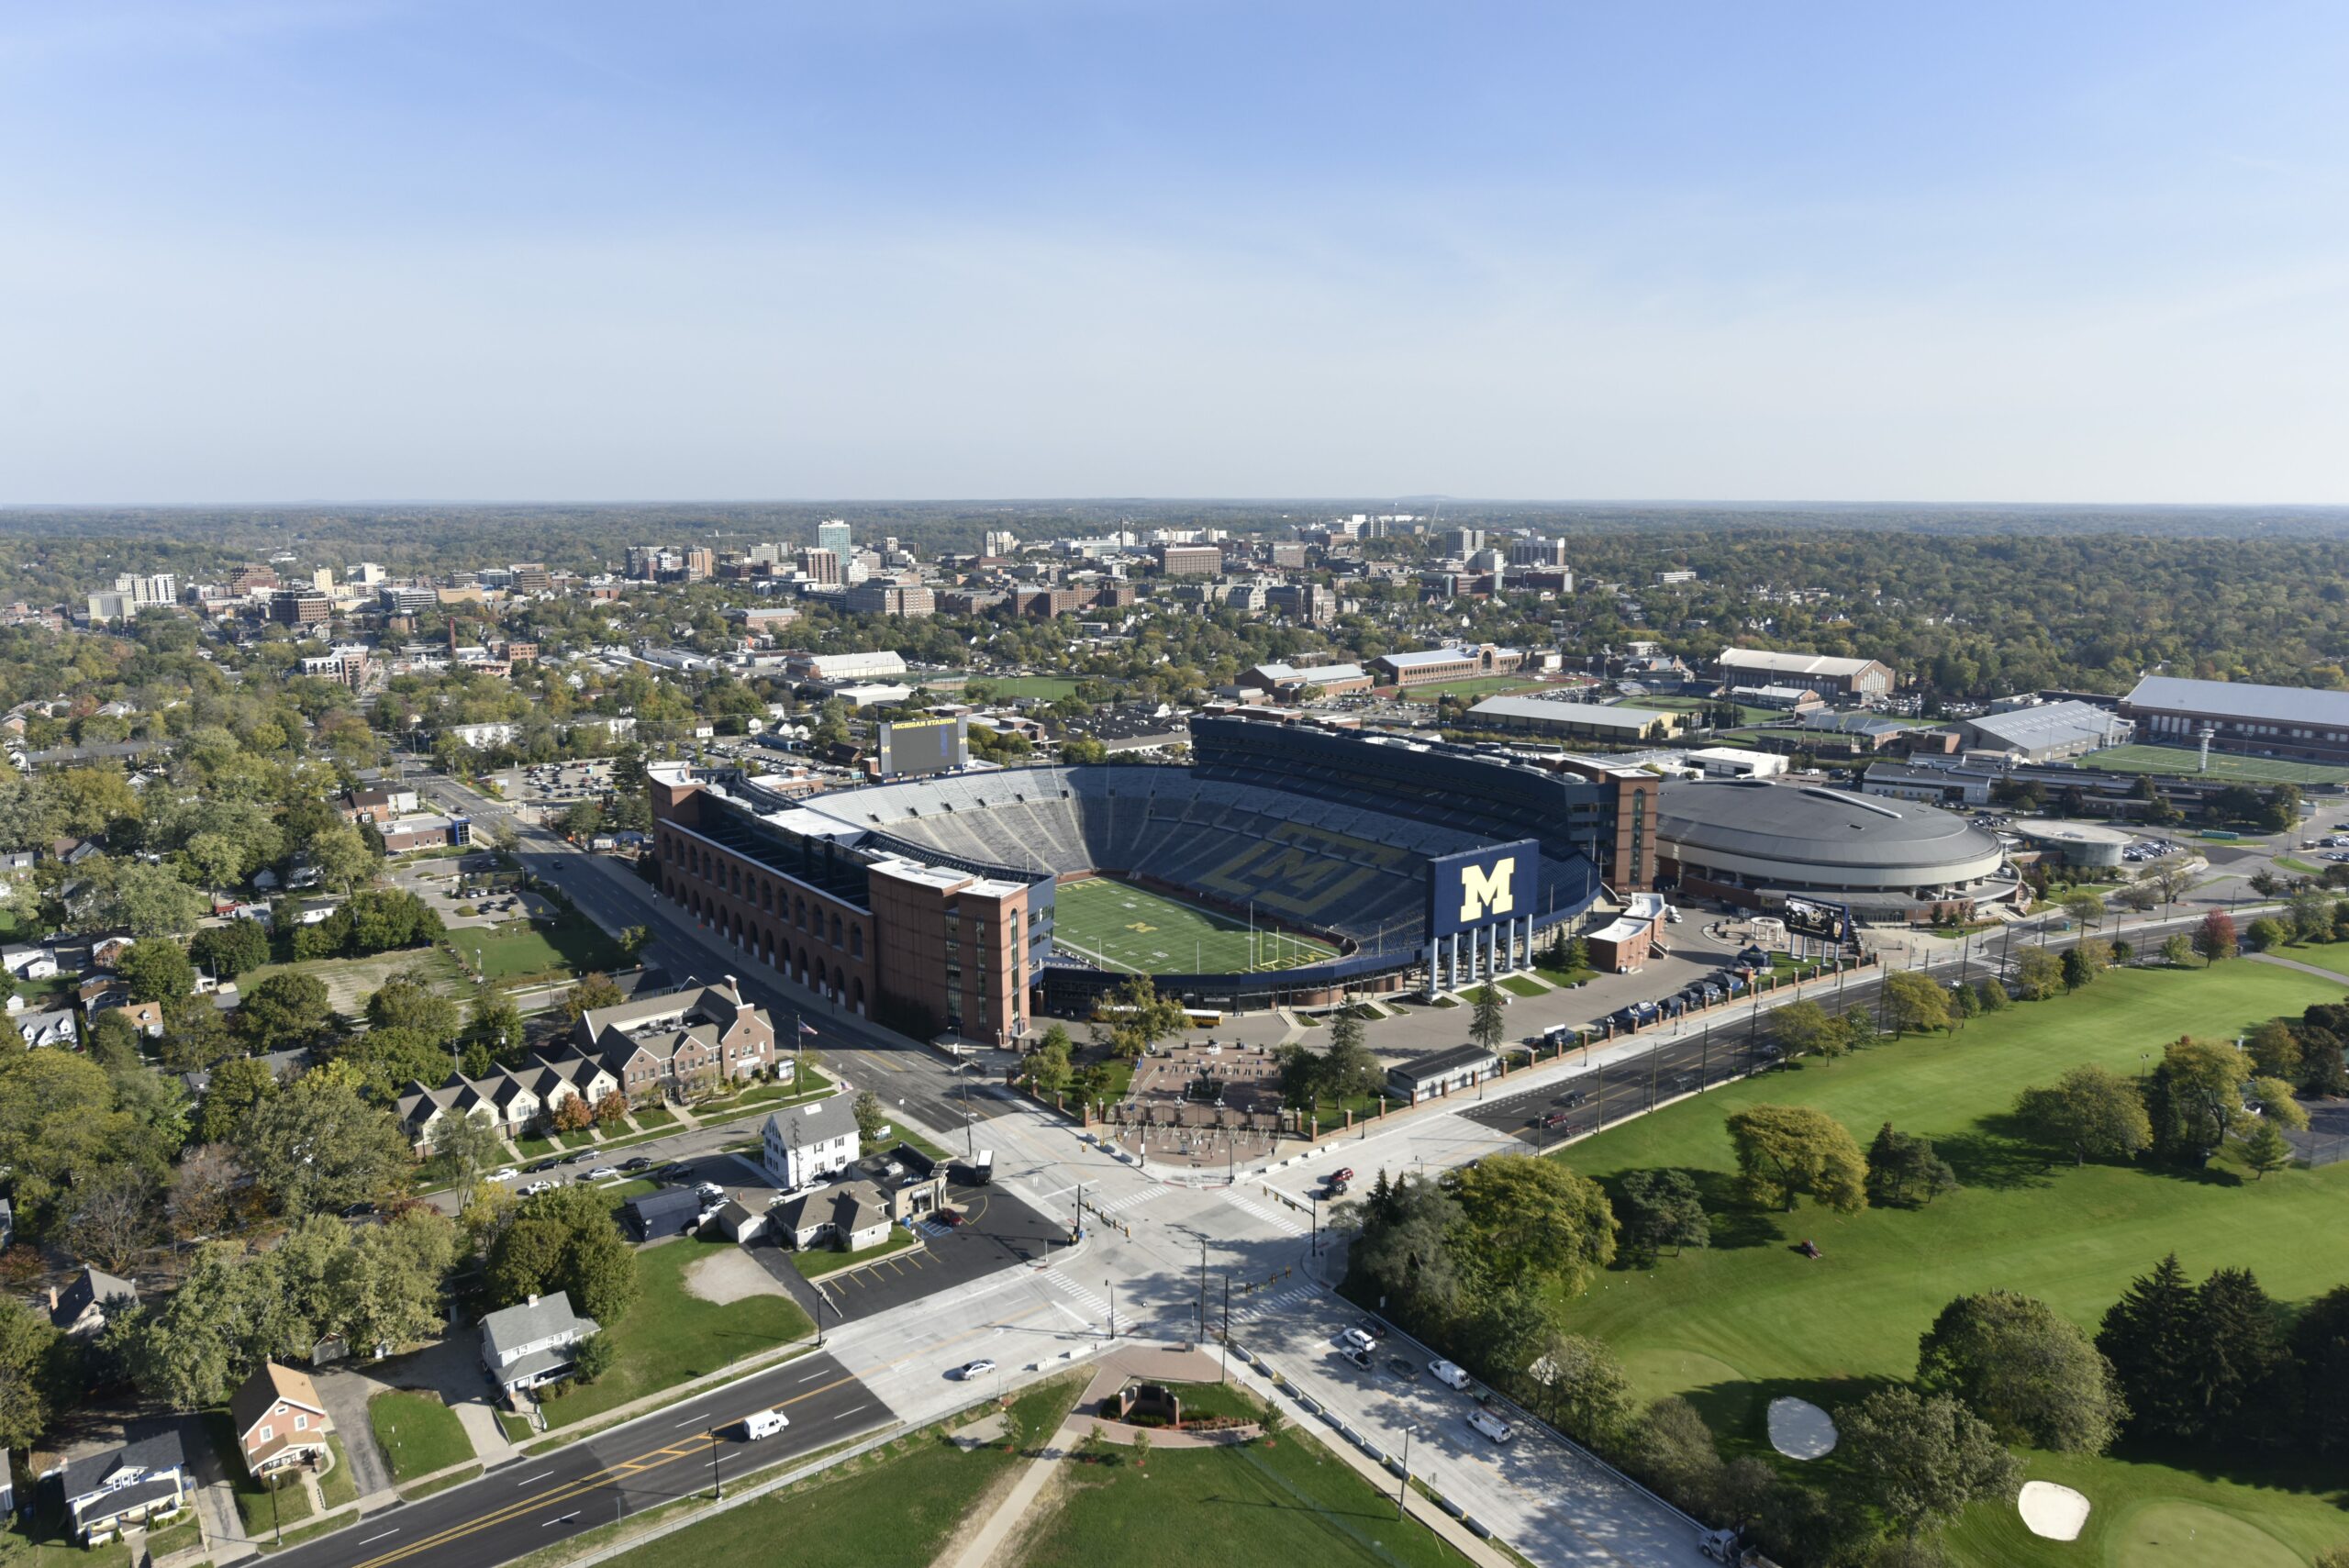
{"type": "Point", "coordinates": [345, 1392]}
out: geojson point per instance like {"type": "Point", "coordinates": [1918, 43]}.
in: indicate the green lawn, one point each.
{"type": "Point", "coordinates": [1249, 1506]}
{"type": "Point", "coordinates": [2332, 957]}
{"type": "Point", "coordinates": [1736, 1326]}
{"type": "Point", "coordinates": [2306, 868]}
{"type": "Point", "coordinates": [1562, 977]}
{"type": "Point", "coordinates": [2186, 761]}
{"type": "Point", "coordinates": [417, 1433]}
{"type": "Point", "coordinates": [570, 944]}
{"type": "Point", "coordinates": [174, 1538]}
{"type": "Point", "coordinates": [1122, 927]}
{"type": "Point", "coordinates": [657, 1115]}
{"type": "Point", "coordinates": [891, 1508]}
{"type": "Point", "coordinates": [1518, 986]}
{"type": "Point", "coordinates": [339, 1485]}
{"type": "Point", "coordinates": [815, 1262]}
{"type": "Point", "coordinates": [670, 1337]}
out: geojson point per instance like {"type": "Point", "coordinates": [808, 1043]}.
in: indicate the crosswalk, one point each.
{"type": "Point", "coordinates": [1095, 1309]}
{"type": "Point", "coordinates": [1130, 1200]}
{"type": "Point", "coordinates": [1284, 1223]}
{"type": "Point", "coordinates": [1257, 1307]}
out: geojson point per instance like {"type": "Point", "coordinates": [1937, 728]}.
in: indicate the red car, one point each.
{"type": "Point", "coordinates": [951, 1216]}
{"type": "Point", "coordinates": [1343, 1174]}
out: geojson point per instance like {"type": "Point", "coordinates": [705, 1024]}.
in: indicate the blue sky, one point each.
{"type": "Point", "coordinates": [312, 250]}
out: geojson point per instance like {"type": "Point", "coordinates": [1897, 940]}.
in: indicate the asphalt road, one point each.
{"type": "Point", "coordinates": [534, 1503]}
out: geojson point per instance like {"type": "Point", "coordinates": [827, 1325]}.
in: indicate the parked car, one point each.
{"type": "Point", "coordinates": [540, 1186]}
{"type": "Point", "coordinates": [1357, 1339]}
{"type": "Point", "coordinates": [951, 1217]}
{"type": "Point", "coordinates": [603, 1174]}
{"type": "Point", "coordinates": [1360, 1358]}
{"type": "Point", "coordinates": [1554, 1119]}
{"type": "Point", "coordinates": [1447, 1373]}
{"type": "Point", "coordinates": [640, 1163]}
{"type": "Point", "coordinates": [507, 1175]}
{"type": "Point", "coordinates": [1491, 1426]}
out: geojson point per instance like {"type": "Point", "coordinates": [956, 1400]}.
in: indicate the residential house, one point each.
{"type": "Point", "coordinates": [802, 1144]}
{"type": "Point", "coordinates": [664, 1044]}
{"type": "Point", "coordinates": [532, 1342]}
{"type": "Point", "coordinates": [59, 1027]}
{"type": "Point", "coordinates": [513, 1099]}
{"type": "Point", "coordinates": [81, 1309]}
{"type": "Point", "coordinates": [28, 962]}
{"type": "Point", "coordinates": [279, 1420]}
{"type": "Point", "coordinates": [123, 1487]}
{"type": "Point", "coordinates": [851, 1216]}
{"type": "Point", "coordinates": [146, 1018]}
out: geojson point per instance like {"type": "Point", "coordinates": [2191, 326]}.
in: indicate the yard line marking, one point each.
{"type": "Point", "coordinates": [527, 1480]}
{"type": "Point", "coordinates": [386, 1535]}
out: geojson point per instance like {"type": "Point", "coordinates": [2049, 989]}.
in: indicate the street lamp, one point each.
{"type": "Point", "coordinates": [1403, 1493]}
{"type": "Point", "coordinates": [1111, 1286]}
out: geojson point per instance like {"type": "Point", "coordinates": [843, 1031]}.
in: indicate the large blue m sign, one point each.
{"type": "Point", "coordinates": [1477, 887]}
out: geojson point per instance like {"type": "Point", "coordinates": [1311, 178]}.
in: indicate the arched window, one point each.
{"type": "Point", "coordinates": [856, 942]}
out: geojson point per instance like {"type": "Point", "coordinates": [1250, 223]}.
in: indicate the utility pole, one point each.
{"type": "Point", "coordinates": [1403, 1493]}
{"type": "Point", "coordinates": [1203, 1289]}
{"type": "Point", "coordinates": [716, 1486]}
{"type": "Point", "coordinates": [1226, 1376]}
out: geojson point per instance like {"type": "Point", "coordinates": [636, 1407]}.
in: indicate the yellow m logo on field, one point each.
{"type": "Point", "coordinates": [1483, 891]}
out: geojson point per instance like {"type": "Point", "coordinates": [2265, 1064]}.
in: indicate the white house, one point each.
{"type": "Point", "coordinates": [26, 961]}
{"type": "Point", "coordinates": [126, 1485]}
{"type": "Point", "coordinates": [803, 1144]}
{"type": "Point", "coordinates": [532, 1342]}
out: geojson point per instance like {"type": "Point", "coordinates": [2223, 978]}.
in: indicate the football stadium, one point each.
{"type": "Point", "coordinates": [1286, 863]}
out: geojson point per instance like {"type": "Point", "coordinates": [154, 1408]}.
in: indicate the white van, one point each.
{"type": "Point", "coordinates": [763, 1424]}
{"type": "Point", "coordinates": [1450, 1375]}
{"type": "Point", "coordinates": [1492, 1426]}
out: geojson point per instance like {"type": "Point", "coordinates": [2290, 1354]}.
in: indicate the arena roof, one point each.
{"type": "Point", "coordinates": [1827, 832]}
{"type": "Point", "coordinates": [2297, 705]}
{"type": "Point", "coordinates": [1597, 715]}
{"type": "Point", "coordinates": [2047, 725]}
{"type": "Point", "coordinates": [1791, 664]}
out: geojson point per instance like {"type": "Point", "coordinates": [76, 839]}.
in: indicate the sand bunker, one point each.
{"type": "Point", "coordinates": [1800, 1429]}
{"type": "Point", "coordinates": [2053, 1512]}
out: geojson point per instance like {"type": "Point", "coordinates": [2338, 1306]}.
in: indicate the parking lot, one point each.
{"type": "Point", "coordinates": [998, 1231]}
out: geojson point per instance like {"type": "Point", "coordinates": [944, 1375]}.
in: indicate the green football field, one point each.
{"type": "Point", "coordinates": [1119, 926]}
{"type": "Point", "coordinates": [2185, 762]}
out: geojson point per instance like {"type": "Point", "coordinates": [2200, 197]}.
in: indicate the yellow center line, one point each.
{"type": "Point", "coordinates": [652, 1459]}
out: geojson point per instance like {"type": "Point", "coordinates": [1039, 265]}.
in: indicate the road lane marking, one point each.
{"type": "Point", "coordinates": [385, 1535]}
{"type": "Point", "coordinates": [531, 1480]}
{"type": "Point", "coordinates": [565, 1519]}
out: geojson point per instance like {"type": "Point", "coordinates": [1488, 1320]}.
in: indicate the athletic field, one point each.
{"type": "Point", "coordinates": [1119, 926]}
{"type": "Point", "coordinates": [2183, 761]}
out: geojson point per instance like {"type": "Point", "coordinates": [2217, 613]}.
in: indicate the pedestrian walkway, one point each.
{"type": "Point", "coordinates": [1094, 1304]}
{"type": "Point", "coordinates": [2281, 961]}
{"type": "Point", "coordinates": [1273, 1217]}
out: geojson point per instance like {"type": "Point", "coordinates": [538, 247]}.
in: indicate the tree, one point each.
{"type": "Point", "coordinates": [871, 1118]}
{"type": "Point", "coordinates": [236, 1086]}
{"type": "Point", "coordinates": [496, 1025]}
{"type": "Point", "coordinates": [2215, 937]}
{"type": "Point", "coordinates": [2265, 1148]}
{"type": "Point", "coordinates": [2272, 1098]}
{"type": "Point", "coordinates": [2275, 1052]}
{"type": "Point", "coordinates": [342, 857]}
{"type": "Point", "coordinates": [229, 1314]}
{"type": "Point", "coordinates": [593, 1356]}
{"type": "Point", "coordinates": [228, 950]}
{"type": "Point", "coordinates": [1581, 1388]}
{"type": "Point", "coordinates": [2029, 1371]}
{"type": "Point", "coordinates": [465, 1146]}
{"type": "Point", "coordinates": [2084, 906]}
{"type": "Point", "coordinates": [157, 970]}
{"type": "Point", "coordinates": [1671, 1447]}
{"type": "Point", "coordinates": [285, 1012]}
{"type": "Point", "coordinates": [2175, 950]}
{"type": "Point", "coordinates": [1991, 993]}
{"type": "Point", "coordinates": [571, 1113]}
{"type": "Point", "coordinates": [148, 900]}
{"type": "Point", "coordinates": [2077, 968]}
{"type": "Point", "coordinates": [2038, 974]}
{"type": "Point", "coordinates": [1351, 1070]}
{"type": "Point", "coordinates": [1134, 1016]}
{"type": "Point", "coordinates": [407, 1001]}
{"type": "Point", "coordinates": [113, 1213]}
{"type": "Point", "coordinates": [2238, 1367]}
{"type": "Point", "coordinates": [1914, 1003]}
{"type": "Point", "coordinates": [611, 1109]}
{"type": "Point", "coordinates": [203, 1190]}
{"type": "Point", "coordinates": [1302, 1080]}
{"type": "Point", "coordinates": [2320, 1344]}
{"type": "Point", "coordinates": [2090, 1113]}
{"type": "Point", "coordinates": [2268, 934]}
{"type": "Point", "coordinates": [1529, 1220]}
{"type": "Point", "coordinates": [2312, 915]}
{"type": "Point", "coordinates": [1787, 1152]}
{"type": "Point", "coordinates": [1405, 1248]}
{"type": "Point", "coordinates": [593, 991]}
{"type": "Point", "coordinates": [565, 1240]}
{"type": "Point", "coordinates": [1904, 1169]}
{"type": "Point", "coordinates": [318, 1145]}
{"type": "Point", "coordinates": [1049, 1065]}
{"type": "Point", "coordinates": [34, 1374]}
{"type": "Point", "coordinates": [2148, 1337]}
{"type": "Point", "coordinates": [1922, 1459]}
{"type": "Point", "coordinates": [384, 1289]}
{"type": "Point", "coordinates": [1802, 1028]}
{"type": "Point", "coordinates": [1659, 1209]}
{"type": "Point", "coordinates": [2196, 1098]}
{"type": "Point", "coordinates": [1486, 1024]}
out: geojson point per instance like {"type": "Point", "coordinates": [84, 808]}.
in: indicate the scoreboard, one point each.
{"type": "Point", "coordinates": [911, 747]}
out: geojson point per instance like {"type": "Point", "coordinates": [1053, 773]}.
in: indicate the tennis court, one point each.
{"type": "Point", "coordinates": [1121, 926]}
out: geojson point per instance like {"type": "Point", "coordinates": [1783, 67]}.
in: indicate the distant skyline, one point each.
{"type": "Point", "coordinates": [303, 250]}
